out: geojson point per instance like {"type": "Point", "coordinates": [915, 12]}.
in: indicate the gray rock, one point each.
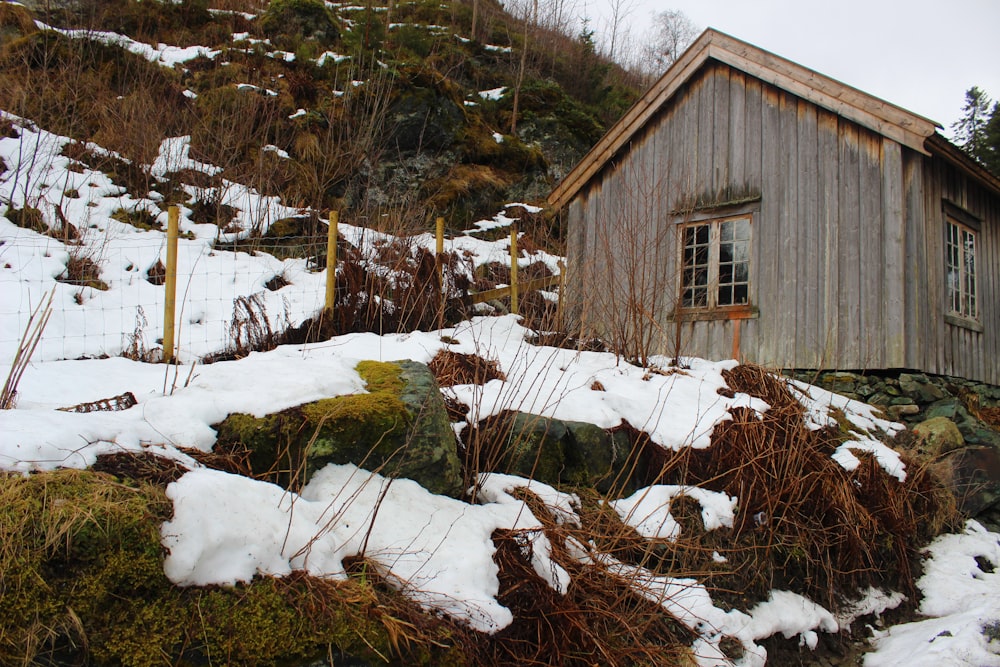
{"type": "Point", "coordinates": [897, 412]}
{"type": "Point", "coordinates": [431, 447]}
{"type": "Point", "coordinates": [920, 388]}
{"type": "Point", "coordinates": [560, 452]}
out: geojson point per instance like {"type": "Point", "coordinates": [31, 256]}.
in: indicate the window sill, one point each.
{"type": "Point", "coordinates": [709, 314]}
{"type": "Point", "coordinates": [964, 322]}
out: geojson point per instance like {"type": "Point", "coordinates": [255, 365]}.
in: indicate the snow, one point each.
{"type": "Point", "coordinates": [821, 405]}
{"type": "Point", "coordinates": [330, 56]}
{"type": "Point", "coordinates": [961, 598]}
{"type": "Point", "coordinates": [251, 87]}
{"type": "Point", "coordinates": [164, 54]}
{"type": "Point", "coordinates": [493, 93]}
{"type": "Point", "coordinates": [280, 152]}
{"type": "Point", "coordinates": [648, 509]}
{"type": "Point", "coordinates": [436, 550]}
{"type": "Point", "coordinates": [872, 601]}
{"type": "Point", "coordinates": [677, 409]}
{"type": "Point", "coordinates": [887, 457]}
{"type": "Point", "coordinates": [174, 155]}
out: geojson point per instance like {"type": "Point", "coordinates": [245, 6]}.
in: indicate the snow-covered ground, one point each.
{"type": "Point", "coordinates": [437, 550]}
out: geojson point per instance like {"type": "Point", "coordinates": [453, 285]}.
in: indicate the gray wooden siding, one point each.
{"type": "Point", "coordinates": [935, 345]}
{"type": "Point", "coordinates": [847, 256]}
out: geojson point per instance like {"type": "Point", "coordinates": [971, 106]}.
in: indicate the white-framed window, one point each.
{"type": "Point", "coordinates": [961, 247]}
{"type": "Point", "coordinates": [715, 263]}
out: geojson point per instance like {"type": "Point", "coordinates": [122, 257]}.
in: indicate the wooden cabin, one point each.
{"type": "Point", "coordinates": [749, 207]}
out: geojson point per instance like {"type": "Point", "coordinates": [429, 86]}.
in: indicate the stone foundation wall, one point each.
{"type": "Point", "coordinates": [904, 396]}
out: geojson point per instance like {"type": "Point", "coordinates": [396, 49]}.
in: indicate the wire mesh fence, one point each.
{"type": "Point", "coordinates": [112, 292]}
{"type": "Point", "coordinates": [110, 297]}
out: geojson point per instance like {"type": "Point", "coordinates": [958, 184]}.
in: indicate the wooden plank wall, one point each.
{"type": "Point", "coordinates": [935, 345]}
{"type": "Point", "coordinates": [844, 261]}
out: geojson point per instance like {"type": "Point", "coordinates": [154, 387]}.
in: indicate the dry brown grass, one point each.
{"type": "Point", "coordinates": [804, 523]}
{"type": "Point", "coordinates": [451, 368]}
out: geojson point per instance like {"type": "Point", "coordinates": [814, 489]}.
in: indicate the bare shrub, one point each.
{"type": "Point", "coordinates": [33, 331]}
{"type": "Point", "coordinates": [157, 273]}
{"type": "Point", "coordinates": [141, 467]}
{"type": "Point", "coordinates": [396, 289]}
{"type": "Point", "coordinates": [624, 291]}
{"type": "Point", "coordinates": [83, 271]}
{"type": "Point", "coordinates": [597, 620]}
{"type": "Point", "coordinates": [251, 330]}
{"type": "Point", "coordinates": [134, 343]}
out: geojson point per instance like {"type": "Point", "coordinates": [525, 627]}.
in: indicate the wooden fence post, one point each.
{"type": "Point", "coordinates": [170, 299]}
{"type": "Point", "coordinates": [439, 250]}
{"type": "Point", "coordinates": [331, 260]}
{"type": "Point", "coordinates": [562, 292]}
{"type": "Point", "coordinates": [513, 268]}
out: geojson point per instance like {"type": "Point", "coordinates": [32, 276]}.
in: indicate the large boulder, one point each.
{"type": "Point", "coordinates": [938, 435]}
{"type": "Point", "coordinates": [399, 428]}
{"type": "Point", "coordinates": [554, 451]}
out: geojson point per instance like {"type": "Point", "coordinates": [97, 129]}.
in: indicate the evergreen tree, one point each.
{"type": "Point", "coordinates": [990, 154]}
{"type": "Point", "coordinates": [970, 130]}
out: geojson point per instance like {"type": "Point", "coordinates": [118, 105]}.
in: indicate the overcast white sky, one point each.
{"type": "Point", "coordinates": [921, 55]}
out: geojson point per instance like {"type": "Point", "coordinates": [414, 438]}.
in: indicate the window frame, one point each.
{"type": "Point", "coordinates": [965, 224]}
{"type": "Point", "coordinates": [712, 311]}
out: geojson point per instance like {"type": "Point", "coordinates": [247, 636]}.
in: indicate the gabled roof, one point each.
{"type": "Point", "coordinates": [877, 115]}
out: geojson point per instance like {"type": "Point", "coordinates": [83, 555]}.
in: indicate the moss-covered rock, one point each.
{"type": "Point", "coordinates": [424, 119]}
{"type": "Point", "coordinates": [399, 428]}
{"type": "Point", "coordinates": [938, 435]}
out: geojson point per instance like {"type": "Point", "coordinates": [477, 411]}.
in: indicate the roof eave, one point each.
{"type": "Point", "coordinates": [938, 145]}
{"type": "Point", "coordinates": [891, 121]}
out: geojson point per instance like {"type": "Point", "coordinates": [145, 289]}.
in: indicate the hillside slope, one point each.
{"type": "Point", "coordinates": [380, 110]}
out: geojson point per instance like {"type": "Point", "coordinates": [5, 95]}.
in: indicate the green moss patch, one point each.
{"type": "Point", "coordinates": [83, 583]}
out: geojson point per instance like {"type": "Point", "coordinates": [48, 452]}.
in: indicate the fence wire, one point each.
{"type": "Point", "coordinates": [109, 296]}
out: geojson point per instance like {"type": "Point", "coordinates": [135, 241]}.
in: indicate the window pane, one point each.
{"type": "Point", "coordinates": [695, 297]}
{"type": "Point", "coordinates": [725, 274]}
{"type": "Point", "coordinates": [725, 252]}
{"type": "Point", "coordinates": [741, 251]}
{"type": "Point", "coordinates": [725, 295]}
{"type": "Point", "coordinates": [702, 234]}
{"type": "Point", "coordinates": [741, 294]}
{"type": "Point", "coordinates": [960, 270]}
{"type": "Point", "coordinates": [701, 256]}
{"type": "Point", "coordinates": [726, 231]}
{"type": "Point", "coordinates": [700, 277]}
{"type": "Point", "coordinates": [741, 272]}
{"type": "Point", "coordinates": [741, 229]}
